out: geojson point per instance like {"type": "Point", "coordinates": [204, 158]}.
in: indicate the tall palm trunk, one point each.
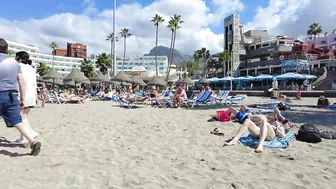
{"type": "Point", "coordinates": [122, 69]}
{"type": "Point", "coordinates": [156, 44]}
{"type": "Point", "coordinates": [169, 56]}
{"type": "Point", "coordinates": [112, 53]}
{"type": "Point", "coordinates": [172, 53]}
{"type": "Point", "coordinates": [53, 62]}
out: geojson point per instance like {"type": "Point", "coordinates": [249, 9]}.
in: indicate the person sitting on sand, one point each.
{"type": "Point", "coordinates": [258, 126]}
{"type": "Point", "coordinates": [153, 93]}
{"type": "Point", "coordinates": [179, 97]}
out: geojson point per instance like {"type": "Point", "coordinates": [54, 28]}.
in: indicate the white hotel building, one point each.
{"type": "Point", "coordinates": [64, 64]}
{"type": "Point", "coordinates": [61, 63]}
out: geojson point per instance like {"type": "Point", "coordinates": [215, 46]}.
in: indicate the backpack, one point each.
{"type": "Point", "coordinates": [309, 133]}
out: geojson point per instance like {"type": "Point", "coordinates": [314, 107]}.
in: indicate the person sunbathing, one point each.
{"type": "Point", "coordinates": [65, 98]}
{"type": "Point", "coordinates": [258, 126]}
{"type": "Point", "coordinates": [179, 97]}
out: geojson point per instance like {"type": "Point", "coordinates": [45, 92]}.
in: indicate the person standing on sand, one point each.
{"type": "Point", "coordinates": [31, 99]}
{"type": "Point", "coordinates": [10, 77]}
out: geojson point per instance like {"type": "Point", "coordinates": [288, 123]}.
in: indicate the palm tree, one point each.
{"type": "Point", "coordinates": [124, 33]}
{"type": "Point", "coordinates": [42, 69]}
{"type": "Point", "coordinates": [110, 38]}
{"type": "Point", "coordinates": [53, 45]}
{"type": "Point", "coordinates": [103, 61]}
{"type": "Point", "coordinates": [224, 57]}
{"type": "Point", "coordinates": [202, 54]}
{"type": "Point", "coordinates": [174, 22]}
{"type": "Point", "coordinates": [314, 30]}
{"type": "Point", "coordinates": [11, 53]}
{"type": "Point", "coordinates": [157, 19]}
{"type": "Point", "coordinates": [87, 68]}
{"type": "Point", "coordinates": [172, 29]}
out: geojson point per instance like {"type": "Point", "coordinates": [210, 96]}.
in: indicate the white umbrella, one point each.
{"type": "Point", "coordinates": [263, 77]}
{"type": "Point", "coordinates": [290, 76]}
{"type": "Point", "coordinates": [309, 76]}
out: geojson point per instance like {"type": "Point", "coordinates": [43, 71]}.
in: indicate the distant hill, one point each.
{"type": "Point", "coordinates": [179, 57]}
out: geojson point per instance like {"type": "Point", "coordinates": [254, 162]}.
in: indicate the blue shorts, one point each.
{"type": "Point", "coordinates": [10, 109]}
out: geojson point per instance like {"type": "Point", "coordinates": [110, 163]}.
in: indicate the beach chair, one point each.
{"type": "Point", "coordinates": [222, 96]}
{"type": "Point", "coordinates": [163, 95]}
{"type": "Point", "coordinates": [130, 104]}
{"type": "Point", "coordinates": [204, 97]}
{"type": "Point", "coordinates": [236, 99]}
{"type": "Point", "coordinates": [54, 98]}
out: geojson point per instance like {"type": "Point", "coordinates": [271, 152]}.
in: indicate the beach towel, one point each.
{"type": "Point", "coordinates": [248, 140]}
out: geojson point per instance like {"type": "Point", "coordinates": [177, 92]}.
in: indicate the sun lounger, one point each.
{"type": "Point", "coordinates": [222, 96]}
{"type": "Point", "coordinates": [130, 104]}
{"type": "Point", "coordinates": [235, 99]}
{"type": "Point", "coordinates": [202, 98]}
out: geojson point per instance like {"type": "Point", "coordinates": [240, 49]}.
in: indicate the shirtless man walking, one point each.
{"type": "Point", "coordinates": [10, 77]}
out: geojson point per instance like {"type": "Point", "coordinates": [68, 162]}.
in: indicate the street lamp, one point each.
{"type": "Point", "coordinates": [114, 40]}
{"type": "Point", "coordinates": [231, 71]}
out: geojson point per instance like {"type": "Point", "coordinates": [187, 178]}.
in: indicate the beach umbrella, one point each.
{"type": "Point", "coordinates": [77, 77]}
{"type": "Point", "coordinates": [263, 77]}
{"type": "Point", "coordinates": [157, 81]}
{"type": "Point", "coordinates": [187, 80]}
{"type": "Point", "coordinates": [203, 81]}
{"type": "Point", "coordinates": [100, 77]}
{"type": "Point", "coordinates": [173, 78]}
{"type": "Point", "coordinates": [121, 76]}
{"type": "Point", "coordinates": [135, 80]}
{"type": "Point", "coordinates": [52, 74]}
{"type": "Point", "coordinates": [214, 79]}
{"type": "Point", "coordinates": [241, 78]}
{"type": "Point", "coordinates": [290, 76]}
{"type": "Point", "coordinates": [142, 83]}
{"type": "Point", "coordinates": [309, 76]}
{"type": "Point", "coordinates": [179, 81]}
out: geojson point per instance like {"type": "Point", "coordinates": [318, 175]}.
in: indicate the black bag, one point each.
{"type": "Point", "coordinates": [282, 106]}
{"type": "Point", "coordinates": [309, 133]}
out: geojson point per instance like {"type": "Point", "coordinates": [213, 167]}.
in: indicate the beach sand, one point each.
{"type": "Point", "coordinates": [100, 145]}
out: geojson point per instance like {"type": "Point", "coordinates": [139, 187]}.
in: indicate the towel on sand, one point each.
{"type": "Point", "coordinates": [248, 140]}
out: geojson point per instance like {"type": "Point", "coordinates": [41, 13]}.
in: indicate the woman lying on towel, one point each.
{"type": "Point", "coordinates": [258, 126]}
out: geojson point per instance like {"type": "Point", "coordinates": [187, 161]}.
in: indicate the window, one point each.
{"type": "Point", "coordinates": [323, 42]}
{"type": "Point", "coordinates": [265, 45]}
{"type": "Point", "coordinates": [251, 48]}
{"type": "Point", "coordinates": [258, 46]}
{"type": "Point", "coordinates": [230, 27]}
{"type": "Point", "coordinates": [161, 68]}
{"type": "Point", "coordinates": [281, 42]}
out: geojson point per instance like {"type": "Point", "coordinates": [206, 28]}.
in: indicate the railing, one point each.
{"type": "Point", "coordinates": [321, 79]}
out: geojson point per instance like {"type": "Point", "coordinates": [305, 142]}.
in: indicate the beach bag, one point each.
{"type": "Point", "coordinates": [309, 133]}
{"type": "Point", "coordinates": [328, 134]}
{"type": "Point", "coordinates": [223, 116]}
{"type": "Point", "coordinates": [282, 106]}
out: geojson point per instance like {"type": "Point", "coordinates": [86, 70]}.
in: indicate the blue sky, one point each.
{"type": "Point", "coordinates": [44, 8]}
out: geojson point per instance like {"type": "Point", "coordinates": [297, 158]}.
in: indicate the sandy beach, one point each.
{"type": "Point", "coordinates": [100, 145]}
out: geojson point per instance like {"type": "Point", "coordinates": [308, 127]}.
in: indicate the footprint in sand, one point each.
{"type": "Point", "coordinates": [299, 175]}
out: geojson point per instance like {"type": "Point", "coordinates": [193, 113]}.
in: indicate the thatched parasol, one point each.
{"type": "Point", "coordinates": [77, 77]}
{"type": "Point", "coordinates": [157, 81]}
{"type": "Point", "coordinates": [121, 76]}
{"type": "Point", "coordinates": [52, 74]}
{"type": "Point", "coordinates": [187, 80]}
{"type": "Point", "coordinates": [203, 81]}
{"type": "Point", "coordinates": [100, 77]}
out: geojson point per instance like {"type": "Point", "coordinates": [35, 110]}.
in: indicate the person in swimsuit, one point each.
{"type": "Point", "coordinates": [179, 97]}
{"type": "Point", "coordinates": [31, 99]}
{"type": "Point", "coordinates": [258, 126]}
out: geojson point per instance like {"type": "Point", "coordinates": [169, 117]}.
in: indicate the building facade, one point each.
{"type": "Point", "coordinates": [147, 62]}
{"type": "Point", "coordinates": [232, 41]}
{"type": "Point", "coordinates": [60, 52]}
{"type": "Point", "coordinates": [62, 64]}
{"type": "Point", "coordinates": [76, 50]}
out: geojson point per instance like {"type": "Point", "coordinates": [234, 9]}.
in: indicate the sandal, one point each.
{"type": "Point", "coordinates": [36, 148]}
{"type": "Point", "coordinates": [217, 132]}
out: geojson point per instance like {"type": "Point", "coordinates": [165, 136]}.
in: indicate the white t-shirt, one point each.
{"type": "Point", "coordinates": [29, 76]}
{"type": "Point", "coordinates": [305, 83]}
{"type": "Point", "coordinates": [275, 84]}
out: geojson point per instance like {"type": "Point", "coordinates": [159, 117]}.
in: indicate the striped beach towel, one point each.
{"type": "Point", "coordinates": [248, 140]}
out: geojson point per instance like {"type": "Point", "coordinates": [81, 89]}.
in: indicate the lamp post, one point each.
{"type": "Point", "coordinates": [231, 71]}
{"type": "Point", "coordinates": [114, 40]}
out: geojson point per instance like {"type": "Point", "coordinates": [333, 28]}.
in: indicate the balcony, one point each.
{"type": "Point", "coordinates": [262, 63]}
{"type": "Point", "coordinates": [267, 50]}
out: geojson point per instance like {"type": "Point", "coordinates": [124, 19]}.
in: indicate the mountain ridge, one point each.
{"type": "Point", "coordinates": [179, 57]}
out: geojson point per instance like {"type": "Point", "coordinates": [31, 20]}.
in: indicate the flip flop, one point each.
{"type": "Point", "coordinates": [36, 148]}
{"type": "Point", "coordinates": [217, 132]}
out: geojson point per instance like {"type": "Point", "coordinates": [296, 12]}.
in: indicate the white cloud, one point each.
{"type": "Point", "coordinates": [292, 17]}
{"type": "Point", "coordinates": [89, 7]}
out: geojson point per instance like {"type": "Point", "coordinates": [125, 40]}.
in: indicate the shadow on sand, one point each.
{"type": "Point", "coordinates": [8, 144]}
